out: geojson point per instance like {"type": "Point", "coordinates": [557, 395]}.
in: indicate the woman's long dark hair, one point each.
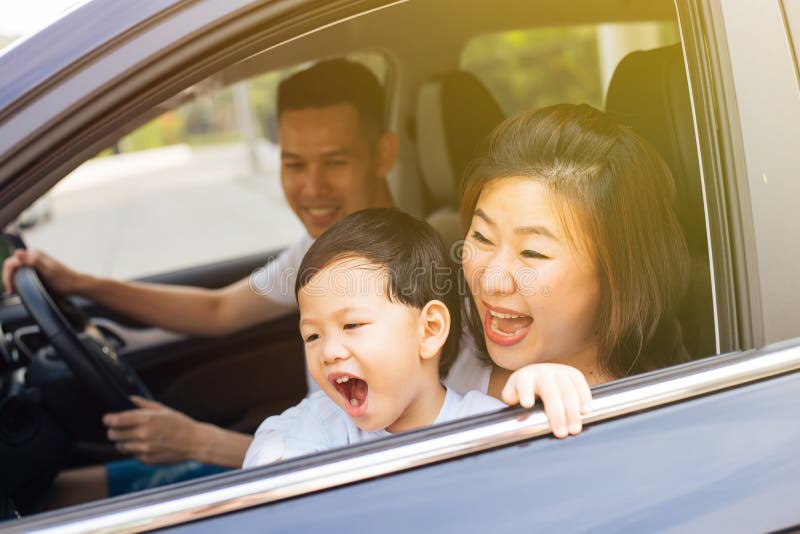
{"type": "Point", "coordinates": [614, 195]}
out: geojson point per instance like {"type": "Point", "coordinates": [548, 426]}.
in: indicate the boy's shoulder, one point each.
{"type": "Point", "coordinates": [319, 408]}
{"type": "Point", "coordinates": [314, 425]}
{"type": "Point", "coordinates": [473, 402]}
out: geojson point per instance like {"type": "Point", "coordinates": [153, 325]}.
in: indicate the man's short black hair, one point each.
{"type": "Point", "coordinates": [336, 81]}
{"type": "Point", "coordinates": [409, 249]}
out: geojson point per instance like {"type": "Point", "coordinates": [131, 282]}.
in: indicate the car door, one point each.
{"type": "Point", "coordinates": [707, 445]}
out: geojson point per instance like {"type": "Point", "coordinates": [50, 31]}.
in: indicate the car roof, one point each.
{"type": "Point", "coordinates": [35, 60]}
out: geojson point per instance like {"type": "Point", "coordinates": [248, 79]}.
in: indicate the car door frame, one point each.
{"type": "Point", "coordinates": [654, 392]}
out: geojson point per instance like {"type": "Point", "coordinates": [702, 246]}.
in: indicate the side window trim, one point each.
{"type": "Point", "coordinates": [244, 489]}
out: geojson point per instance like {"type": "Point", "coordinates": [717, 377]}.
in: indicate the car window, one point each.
{"type": "Point", "coordinates": [528, 69]}
{"type": "Point", "coordinates": [197, 184]}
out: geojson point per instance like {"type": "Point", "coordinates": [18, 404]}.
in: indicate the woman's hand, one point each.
{"type": "Point", "coordinates": [562, 389]}
{"type": "Point", "coordinates": [153, 433]}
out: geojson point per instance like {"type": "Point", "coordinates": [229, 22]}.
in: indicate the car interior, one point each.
{"type": "Point", "coordinates": [442, 105]}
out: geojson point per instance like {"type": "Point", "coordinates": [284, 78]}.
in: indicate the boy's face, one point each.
{"type": "Point", "coordinates": [362, 349]}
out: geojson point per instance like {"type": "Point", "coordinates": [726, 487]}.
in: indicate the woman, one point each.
{"type": "Point", "coordinates": [573, 256]}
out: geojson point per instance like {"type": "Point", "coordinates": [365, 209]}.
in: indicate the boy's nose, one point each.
{"type": "Point", "coordinates": [334, 350]}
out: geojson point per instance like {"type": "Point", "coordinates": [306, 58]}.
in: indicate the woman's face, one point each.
{"type": "Point", "coordinates": [536, 294]}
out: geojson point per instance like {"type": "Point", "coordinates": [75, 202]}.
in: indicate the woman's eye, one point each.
{"type": "Point", "coordinates": [480, 238]}
{"type": "Point", "coordinates": [311, 338]}
{"type": "Point", "coordinates": [533, 254]}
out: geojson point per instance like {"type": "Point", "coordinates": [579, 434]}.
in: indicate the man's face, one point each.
{"type": "Point", "coordinates": [329, 166]}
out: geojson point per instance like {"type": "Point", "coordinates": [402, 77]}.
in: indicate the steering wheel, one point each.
{"type": "Point", "coordinates": [84, 348]}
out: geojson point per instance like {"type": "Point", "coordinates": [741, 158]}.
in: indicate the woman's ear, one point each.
{"type": "Point", "coordinates": [434, 326]}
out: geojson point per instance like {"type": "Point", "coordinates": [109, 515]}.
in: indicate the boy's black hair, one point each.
{"type": "Point", "coordinates": [336, 81]}
{"type": "Point", "coordinates": [411, 252]}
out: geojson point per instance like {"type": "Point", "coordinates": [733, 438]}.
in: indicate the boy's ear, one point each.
{"type": "Point", "coordinates": [434, 326]}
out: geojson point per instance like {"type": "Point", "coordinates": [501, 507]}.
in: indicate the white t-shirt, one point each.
{"type": "Point", "coordinates": [468, 372]}
{"type": "Point", "coordinates": [275, 281]}
{"type": "Point", "coordinates": [318, 424]}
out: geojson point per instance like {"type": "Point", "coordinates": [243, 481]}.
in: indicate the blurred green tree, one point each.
{"type": "Point", "coordinates": [527, 69]}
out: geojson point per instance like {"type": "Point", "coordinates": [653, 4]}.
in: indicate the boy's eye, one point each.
{"type": "Point", "coordinates": [311, 338]}
{"type": "Point", "coordinates": [533, 254]}
{"type": "Point", "coordinates": [480, 238]}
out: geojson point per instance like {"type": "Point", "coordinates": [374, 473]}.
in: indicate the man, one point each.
{"type": "Point", "coordinates": [335, 154]}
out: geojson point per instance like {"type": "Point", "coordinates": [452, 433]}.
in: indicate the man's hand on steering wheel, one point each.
{"type": "Point", "coordinates": [55, 274]}
{"type": "Point", "coordinates": [91, 357]}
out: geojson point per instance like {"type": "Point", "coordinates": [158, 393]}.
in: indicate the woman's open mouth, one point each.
{"type": "Point", "coordinates": [505, 327]}
{"type": "Point", "coordinates": [353, 390]}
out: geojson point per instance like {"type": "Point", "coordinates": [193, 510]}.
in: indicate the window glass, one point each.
{"type": "Point", "coordinates": [528, 69]}
{"type": "Point", "coordinates": [197, 184]}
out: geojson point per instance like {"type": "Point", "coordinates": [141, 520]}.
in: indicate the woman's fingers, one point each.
{"type": "Point", "coordinates": [520, 389]}
{"type": "Point", "coordinates": [510, 395]}
{"type": "Point", "coordinates": [583, 390]}
{"type": "Point", "coordinates": [563, 390]}
{"type": "Point", "coordinates": [526, 389]}
{"type": "Point", "coordinates": [572, 403]}
{"type": "Point", "coordinates": [550, 394]}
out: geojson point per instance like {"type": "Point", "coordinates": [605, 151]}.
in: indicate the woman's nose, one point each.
{"type": "Point", "coordinates": [496, 279]}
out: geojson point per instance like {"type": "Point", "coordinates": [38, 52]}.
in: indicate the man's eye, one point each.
{"type": "Point", "coordinates": [311, 338]}
{"type": "Point", "coordinates": [292, 165]}
{"type": "Point", "coordinates": [337, 163]}
{"type": "Point", "coordinates": [479, 237]}
{"type": "Point", "coordinates": [533, 254]}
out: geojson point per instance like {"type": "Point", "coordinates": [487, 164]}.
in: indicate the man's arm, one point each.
{"type": "Point", "coordinates": [156, 434]}
{"type": "Point", "coordinates": [190, 310]}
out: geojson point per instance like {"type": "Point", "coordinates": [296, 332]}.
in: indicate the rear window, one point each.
{"type": "Point", "coordinates": [528, 69]}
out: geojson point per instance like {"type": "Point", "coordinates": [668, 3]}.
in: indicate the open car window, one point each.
{"type": "Point", "coordinates": [198, 184]}
{"type": "Point", "coordinates": [206, 171]}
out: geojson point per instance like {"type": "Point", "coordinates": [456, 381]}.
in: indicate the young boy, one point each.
{"type": "Point", "coordinates": [380, 317]}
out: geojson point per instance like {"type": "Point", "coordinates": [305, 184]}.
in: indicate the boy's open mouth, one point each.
{"type": "Point", "coordinates": [353, 390]}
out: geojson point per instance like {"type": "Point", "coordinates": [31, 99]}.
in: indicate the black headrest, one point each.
{"type": "Point", "coordinates": [649, 93]}
{"type": "Point", "coordinates": [455, 113]}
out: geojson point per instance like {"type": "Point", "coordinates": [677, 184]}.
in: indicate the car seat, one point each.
{"type": "Point", "coordinates": [649, 93]}
{"type": "Point", "coordinates": [455, 113]}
